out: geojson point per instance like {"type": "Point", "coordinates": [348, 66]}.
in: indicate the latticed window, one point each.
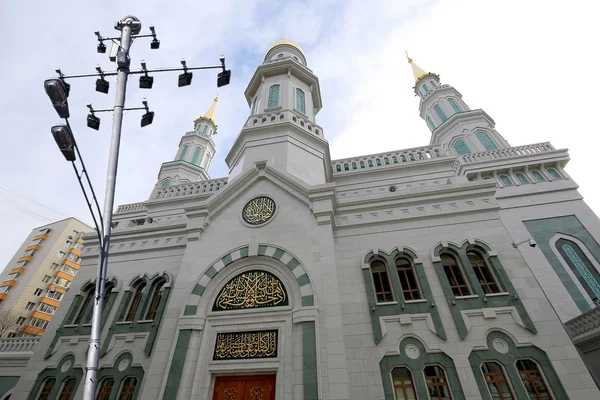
{"type": "Point", "coordinates": [408, 279]}
{"type": "Point", "coordinates": [253, 111]}
{"type": "Point", "coordinates": [381, 282]}
{"type": "Point", "coordinates": [183, 152]}
{"type": "Point", "coordinates": [538, 176]}
{"type": "Point", "coordinates": [437, 383]}
{"type": "Point", "coordinates": [404, 387]}
{"type": "Point", "coordinates": [128, 389]}
{"type": "Point", "coordinates": [581, 266]}
{"type": "Point", "coordinates": [454, 105]}
{"type": "Point", "coordinates": [430, 123]}
{"type": "Point", "coordinates": [483, 272]}
{"type": "Point", "coordinates": [155, 298]}
{"type": "Point", "coordinates": [433, 84]}
{"type": "Point", "coordinates": [534, 383]}
{"type": "Point", "coordinates": [460, 147]}
{"type": "Point", "coordinates": [505, 180]}
{"type": "Point", "coordinates": [273, 96]}
{"type": "Point", "coordinates": [521, 178]}
{"type": "Point", "coordinates": [67, 390]}
{"type": "Point", "coordinates": [496, 381]}
{"type": "Point", "coordinates": [486, 141]}
{"type": "Point", "coordinates": [85, 306]}
{"type": "Point", "coordinates": [300, 101]}
{"type": "Point", "coordinates": [440, 113]}
{"type": "Point", "coordinates": [47, 389]}
{"type": "Point", "coordinates": [135, 301]}
{"type": "Point", "coordinates": [553, 173]}
{"type": "Point", "coordinates": [195, 156]}
{"type": "Point", "coordinates": [454, 275]}
{"type": "Point", "coordinates": [425, 88]}
{"type": "Point", "coordinates": [105, 388]}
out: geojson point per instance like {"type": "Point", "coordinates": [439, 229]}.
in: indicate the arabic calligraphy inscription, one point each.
{"type": "Point", "coordinates": [251, 289]}
{"type": "Point", "coordinates": [258, 210]}
{"type": "Point", "coordinates": [245, 345]}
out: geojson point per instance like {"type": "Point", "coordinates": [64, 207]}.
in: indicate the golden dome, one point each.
{"type": "Point", "coordinates": [288, 42]}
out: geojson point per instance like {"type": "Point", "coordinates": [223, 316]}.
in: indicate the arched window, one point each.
{"type": "Point", "coordinates": [135, 301]}
{"type": "Point", "coordinates": [553, 173]}
{"type": "Point", "coordinates": [205, 129]}
{"type": "Point", "coordinates": [370, 163]}
{"type": "Point", "coordinates": [486, 141]}
{"type": "Point", "coordinates": [460, 147]}
{"type": "Point", "coordinates": [532, 379]}
{"type": "Point", "coordinates": [433, 84]}
{"type": "Point", "coordinates": [273, 96]}
{"type": "Point", "coordinates": [107, 294]}
{"type": "Point", "coordinates": [440, 113]}
{"type": "Point", "coordinates": [253, 110]}
{"type": "Point", "coordinates": [104, 388]}
{"type": "Point", "coordinates": [381, 282]}
{"type": "Point", "coordinates": [581, 267]}
{"type": "Point", "coordinates": [430, 123]}
{"type": "Point", "coordinates": [353, 165]}
{"type": "Point", "coordinates": [437, 383]}
{"type": "Point", "coordinates": [183, 152]}
{"type": "Point", "coordinates": [496, 381]}
{"type": "Point", "coordinates": [128, 388]}
{"type": "Point", "coordinates": [85, 306]}
{"type": "Point", "coordinates": [404, 387]}
{"type": "Point", "coordinates": [300, 101]}
{"type": "Point", "coordinates": [195, 156]}
{"type": "Point", "coordinates": [505, 180]}
{"type": "Point", "coordinates": [47, 389]}
{"type": "Point", "coordinates": [455, 106]}
{"type": "Point", "coordinates": [521, 178]}
{"type": "Point", "coordinates": [165, 183]}
{"type": "Point", "coordinates": [67, 390]}
{"type": "Point", "coordinates": [454, 274]}
{"type": "Point", "coordinates": [378, 162]}
{"type": "Point", "coordinates": [538, 176]}
{"type": "Point", "coordinates": [155, 296]}
{"type": "Point", "coordinates": [425, 88]}
{"type": "Point", "coordinates": [483, 272]}
{"type": "Point", "coordinates": [362, 164]}
{"type": "Point", "coordinates": [408, 279]}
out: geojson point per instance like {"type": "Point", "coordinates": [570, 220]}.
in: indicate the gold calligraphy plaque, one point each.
{"type": "Point", "coordinates": [258, 210]}
{"type": "Point", "coordinates": [251, 289]}
{"type": "Point", "coordinates": [245, 345]}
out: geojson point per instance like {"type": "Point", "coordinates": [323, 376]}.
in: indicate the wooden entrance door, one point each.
{"type": "Point", "coordinates": [253, 387]}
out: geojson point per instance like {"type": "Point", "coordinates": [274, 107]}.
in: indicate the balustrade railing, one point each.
{"type": "Point", "coordinates": [279, 117]}
{"type": "Point", "coordinates": [18, 345]}
{"type": "Point", "coordinates": [133, 207]}
{"type": "Point", "coordinates": [584, 323]}
{"type": "Point", "coordinates": [384, 160]}
{"type": "Point", "coordinates": [187, 189]}
{"type": "Point", "coordinates": [506, 153]}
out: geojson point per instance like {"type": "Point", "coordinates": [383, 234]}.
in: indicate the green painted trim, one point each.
{"type": "Point", "coordinates": [244, 252]}
{"type": "Point", "coordinates": [227, 260]}
{"type": "Point", "coordinates": [198, 289]}
{"type": "Point", "coordinates": [308, 300]}
{"type": "Point", "coordinates": [262, 249]}
{"type": "Point", "coordinates": [60, 376]}
{"type": "Point", "coordinates": [542, 231]}
{"type": "Point", "coordinates": [7, 383]}
{"type": "Point", "coordinates": [508, 361]}
{"type": "Point", "coordinates": [119, 376]}
{"type": "Point", "coordinates": [303, 280]}
{"type": "Point", "coordinates": [177, 362]}
{"type": "Point", "coordinates": [190, 310]}
{"type": "Point", "coordinates": [278, 254]}
{"type": "Point", "coordinates": [387, 363]}
{"type": "Point", "coordinates": [450, 119]}
{"type": "Point", "coordinates": [293, 263]}
{"type": "Point", "coordinates": [211, 272]}
{"type": "Point", "coordinates": [309, 361]}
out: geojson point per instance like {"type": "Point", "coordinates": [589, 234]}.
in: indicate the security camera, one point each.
{"type": "Point", "coordinates": [532, 243]}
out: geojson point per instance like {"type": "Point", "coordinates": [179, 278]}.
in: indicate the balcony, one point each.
{"type": "Point", "coordinates": [18, 270]}
{"type": "Point", "coordinates": [71, 264]}
{"type": "Point", "coordinates": [25, 258]}
{"type": "Point", "coordinates": [10, 283]}
{"type": "Point", "coordinates": [43, 236]}
{"type": "Point", "coordinates": [33, 247]}
{"type": "Point", "coordinates": [584, 327]}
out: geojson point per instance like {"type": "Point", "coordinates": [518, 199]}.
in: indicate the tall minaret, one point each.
{"type": "Point", "coordinates": [283, 98]}
{"type": "Point", "coordinates": [196, 150]}
{"type": "Point", "coordinates": [453, 124]}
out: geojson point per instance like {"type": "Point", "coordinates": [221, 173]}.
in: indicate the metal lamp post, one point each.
{"type": "Point", "coordinates": [58, 91]}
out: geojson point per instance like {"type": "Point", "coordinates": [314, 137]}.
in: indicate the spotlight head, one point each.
{"type": "Point", "coordinates": [185, 79]}
{"type": "Point", "coordinates": [146, 82]}
{"type": "Point", "coordinates": [147, 118]}
{"type": "Point", "coordinates": [102, 85]}
{"type": "Point", "coordinates": [155, 44]}
{"type": "Point", "coordinates": [58, 92]}
{"type": "Point", "coordinates": [93, 122]}
{"type": "Point", "coordinates": [223, 78]}
{"type": "Point", "coordinates": [64, 139]}
{"type": "Point", "coordinates": [222, 59]}
{"type": "Point", "coordinates": [101, 48]}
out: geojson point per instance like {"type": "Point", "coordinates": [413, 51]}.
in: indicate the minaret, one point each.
{"type": "Point", "coordinates": [283, 97]}
{"type": "Point", "coordinates": [196, 150]}
{"type": "Point", "coordinates": [453, 124]}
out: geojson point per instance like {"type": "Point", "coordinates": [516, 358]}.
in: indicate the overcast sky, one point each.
{"type": "Point", "coordinates": [531, 65]}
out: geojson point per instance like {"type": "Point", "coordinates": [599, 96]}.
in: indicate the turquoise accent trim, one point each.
{"type": "Point", "coordinates": [165, 183]}
{"type": "Point", "coordinates": [190, 310]}
{"type": "Point", "coordinates": [538, 176]}
{"type": "Point", "coordinates": [273, 96]}
{"type": "Point", "coordinates": [7, 383]}
{"type": "Point", "coordinates": [227, 260]}
{"type": "Point", "coordinates": [486, 141]}
{"type": "Point", "coordinates": [300, 101]}
{"type": "Point", "coordinates": [211, 272]}
{"type": "Point", "coordinates": [308, 301]}
{"type": "Point", "coordinates": [198, 290]}
{"type": "Point", "coordinates": [205, 129]}
{"type": "Point", "coordinates": [583, 270]}
{"type": "Point", "coordinates": [440, 113]}
{"type": "Point", "coordinates": [177, 361]}
{"type": "Point", "coordinates": [460, 147]}
{"type": "Point", "coordinates": [303, 280]}
{"type": "Point", "coordinates": [183, 152]}
{"type": "Point", "coordinates": [430, 123]}
{"type": "Point", "coordinates": [521, 178]}
{"type": "Point", "coordinates": [505, 180]}
{"type": "Point", "coordinates": [195, 156]}
{"type": "Point", "coordinates": [425, 88]}
{"type": "Point", "coordinates": [454, 105]}
{"type": "Point", "coordinates": [309, 361]}
{"type": "Point", "coordinates": [278, 254]}
{"type": "Point", "coordinates": [553, 173]}
{"type": "Point", "coordinates": [581, 267]}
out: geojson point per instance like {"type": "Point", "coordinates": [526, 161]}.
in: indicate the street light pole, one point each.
{"type": "Point", "coordinates": [127, 25]}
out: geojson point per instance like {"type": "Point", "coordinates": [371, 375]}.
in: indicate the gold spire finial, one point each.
{"type": "Point", "coordinates": [209, 115]}
{"type": "Point", "coordinates": [407, 57]}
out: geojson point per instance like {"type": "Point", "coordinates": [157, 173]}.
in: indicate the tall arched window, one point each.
{"type": "Point", "coordinates": [440, 113]}
{"type": "Point", "coordinates": [85, 306]}
{"type": "Point", "coordinates": [581, 266]}
{"type": "Point", "coordinates": [455, 106]}
{"type": "Point", "coordinates": [432, 84]}
{"type": "Point", "coordinates": [538, 176]}
{"type": "Point", "coordinates": [195, 156]}
{"type": "Point", "coordinates": [460, 147]}
{"type": "Point", "coordinates": [486, 141]}
{"type": "Point", "coordinates": [273, 96]}
{"type": "Point", "coordinates": [425, 89]}
{"type": "Point", "coordinates": [128, 388]}
{"type": "Point", "coordinates": [521, 178]}
{"type": "Point", "coordinates": [381, 282]}
{"type": "Point", "coordinates": [505, 180]}
{"type": "Point", "coordinates": [300, 101]}
{"type": "Point", "coordinates": [532, 379]}
{"type": "Point", "coordinates": [67, 390]}
{"type": "Point", "coordinates": [430, 123]}
{"type": "Point", "coordinates": [205, 129]}
{"type": "Point", "coordinates": [183, 152]}
{"type": "Point", "coordinates": [404, 387]}
{"type": "Point", "coordinates": [253, 110]}
{"type": "Point", "coordinates": [454, 274]}
{"type": "Point", "coordinates": [483, 272]}
{"type": "Point", "coordinates": [553, 173]}
{"type": "Point", "coordinates": [437, 383]}
{"type": "Point", "coordinates": [155, 296]}
{"type": "Point", "coordinates": [47, 389]}
{"type": "Point", "coordinates": [104, 388]}
{"type": "Point", "coordinates": [140, 289]}
{"type": "Point", "coordinates": [496, 381]}
{"type": "Point", "coordinates": [408, 279]}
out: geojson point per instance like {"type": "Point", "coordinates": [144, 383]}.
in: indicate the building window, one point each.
{"type": "Point", "coordinates": [73, 257]}
{"type": "Point", "coordinates": [521, 178]}
{"type": "Point", "coordinates": [483, 272]}
{"type": "Point", "coordinates": [68, 243]}
{"type": "Point", "coordinates": [54, 267]}
{"type": "Point", "coordinates": [54, 295]}
{"type": "Point", "coordinates": [486, 141]}
{"type": "Point", "coordinates": [21, 321]}
{"type": "Point", "coordinates": [532, 380]}
{"type": "Point", "coordinates": [38, 323]}
{"type": "Point", "coordinates": [404, 387]}
{"type": "Point", "coordinates": [425, 89]}
{"type": "Point", "coordinates": [195, 156]}
{"type": "Point", "coordinates": [381, 281]}
{"type": "Point", "coordinates": [69, 270]}
{"type": "Point", "coordinates": [67, 390]}
{"type": "Point", "coordinates": [460, 147]}
{"type": "Point", "coordinates": [30, 306]}
{"type": "Point", "coordinates": [553, 173]}
{"type": "Point", "coordinates": [273, 96]}
{"type": "Point", "coordinates": [538, 176]}
{"type": "Point", "coordinates": [437, 383]}
{"type": "Point", "coordinates": [47, 308]}
{"type": "Point", "coordinates": [38, 292]}
{"type": "Point", "coordinates": [85, 307]}
{"type": "Point", "coordinates": [155, 298]}
{"type": "Point", "coordinates": [105, 388]}
{"type": "Point", "coordinates": [430, 123]}
{"type": "Point", "coordinates": [47, 389]}
{"type": "Point", "coordinates": [254, 103]}
{"type": "Point", "coordinates": [440, 113]}
{"type": "Point", "coordinates": [496, 381]}
{"type": "Point", "coordinates": [454, 275]}
{"type": "Point", "coordinates": [505, 180]}
{"type": "Point", "coordinates": [165, 183]}
{"type": "Point", "coordinates": [128, 389]}
{"type": "Point", "coordinates": [44, 231]}
{"type": "Point", "coordinates": [62, 254]}
{"type": "Point", "coordinates": [581, 267]}
{"type": "Point", "coordinates": [300, 101]}
{"type": "Point", "coordinates": [135, 301]}
{"type": "Point", "coordinates": [455, 106]}
{"type": "Point", "coordinates": [408, 279]}
{"type": "Point", "coordinates": [183, 152]}
{"type": "Point", "coordinates": [75, 233]}
{"type": "Point", "coordinates": [433, 84]}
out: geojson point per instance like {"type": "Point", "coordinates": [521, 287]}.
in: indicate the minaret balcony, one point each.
{"type": "Point", "coordinates": [281, 117]}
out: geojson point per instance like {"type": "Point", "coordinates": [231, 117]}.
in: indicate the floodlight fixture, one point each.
{"type": "Point", "coordinates": [101, 48]}
{"type": "Point", "coordinates": [224, 77]}
{"type": "Point", "coordinates": [146, 81]}
{"type": "Point", "coordinates": [147, 118]}
{"type": "Point", "coordinates": [185, 79]}
{"type": "Point", "coordinates": [58, 92]}
{"type": "Point", "coordinates": [155, 43]}
{"type": "Point", "coordinates": [92, 121]}
{"type": "Point", "coordinates": [64, 139]}
{"type": "Point", "coordinates": [102, 85]}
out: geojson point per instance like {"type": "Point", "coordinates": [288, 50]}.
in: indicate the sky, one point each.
{"type": "Point", "coordinates": [529, 64]}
